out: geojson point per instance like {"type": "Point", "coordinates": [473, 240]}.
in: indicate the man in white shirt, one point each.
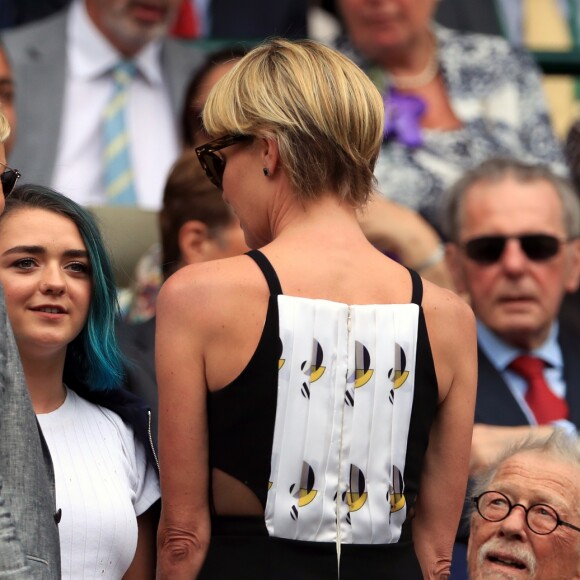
{"type": "Point", "coordinates": [62, 69]}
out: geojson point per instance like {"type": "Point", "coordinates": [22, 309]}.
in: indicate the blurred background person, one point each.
{"type": "Point", "coordinates": [451, 100]}
{"type": "Point", "coordinates": [514, 251]}
{"type": "Point", "coordinates": [196, 225]}
{"type": "Point", "coordinates": [29, 544]}
{"type": "Point", "coordinates": [282, 400]}
{"type": "Point", "coordinates": [61, 303]}
{"type": "Point", "coordinates": [103, 127]}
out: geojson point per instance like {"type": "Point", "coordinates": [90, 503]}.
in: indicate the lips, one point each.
{"type": "Point", "coordinates": [507, 560]}
{"type": "Point", "coordinates": [148, 12]}
{"type": "Point", "coordinates": [49, 309]}
{"type": "Point", "coordinates": [516, 300]}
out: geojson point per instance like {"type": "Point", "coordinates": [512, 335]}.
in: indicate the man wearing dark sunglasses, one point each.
{"type": "Point", "coordinates": [514, 252]}
{"type": "Point", "coordinates": [29, 545]}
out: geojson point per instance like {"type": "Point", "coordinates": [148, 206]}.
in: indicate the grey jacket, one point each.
{"type": "Point", "coordinates": [37, 55]}
{"type": "Point", "coordinates": [29, 547]}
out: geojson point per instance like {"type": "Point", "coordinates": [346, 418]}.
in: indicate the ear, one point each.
{"type": "Point", "coordinates": [454, 261]}
{"type": "Point", "coordinates": [192, 238]}
{"type": "Point", "coordinates": [573, 267]}
{"type": "Point", "coordinates": [270, 154]}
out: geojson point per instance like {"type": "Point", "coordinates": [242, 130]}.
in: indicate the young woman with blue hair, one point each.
{"type": "Point", "coordinates": [61, 301]}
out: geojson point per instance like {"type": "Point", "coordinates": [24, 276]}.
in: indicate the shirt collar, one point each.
{"type": "Point", "coordinates": [501, 354]}
{"type": "Point", "coordinates": [91, 55]}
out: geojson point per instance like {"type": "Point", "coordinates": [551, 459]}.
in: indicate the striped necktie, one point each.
{"type": "Point", "coordinates": [117, 171]}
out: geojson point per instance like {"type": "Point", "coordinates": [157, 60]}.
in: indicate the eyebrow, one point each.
{"type": "Point", "coordinates": [37, 250]}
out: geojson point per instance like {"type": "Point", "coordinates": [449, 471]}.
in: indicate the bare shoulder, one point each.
{"type": "Point", "coordinates": [446, 310]}
{"type": "Point", "coordinates": [209, 286]}
{"type": "Point", "coordinates": [452, 336]}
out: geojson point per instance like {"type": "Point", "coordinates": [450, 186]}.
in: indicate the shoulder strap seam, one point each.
{"type": "Point", "coordinates": [267, 270]}
{"type": "Point", "coordinates": [417, 287]}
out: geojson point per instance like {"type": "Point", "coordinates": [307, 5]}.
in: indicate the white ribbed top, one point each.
{"type": "Point", "coordinates": [102, 485]}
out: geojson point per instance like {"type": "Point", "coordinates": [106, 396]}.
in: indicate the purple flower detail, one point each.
{"type": "Point", "coordinates": [402, 115]}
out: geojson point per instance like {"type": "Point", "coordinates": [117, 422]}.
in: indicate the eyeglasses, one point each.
{"type": "Point", "coordinates": [542, 519]}
{"type": "Point", "coordinates": [489, 249]}
{"type": "Point", "coordinates": [9, 177]}
{"type": "Point", "coordinates": [215, 165]}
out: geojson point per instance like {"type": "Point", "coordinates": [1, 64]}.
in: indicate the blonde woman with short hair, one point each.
{"type": "Point", "coordinates": [316, 398]}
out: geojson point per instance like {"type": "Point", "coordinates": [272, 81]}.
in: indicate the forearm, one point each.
{"type": "Point", "coordinates": [434, 548]}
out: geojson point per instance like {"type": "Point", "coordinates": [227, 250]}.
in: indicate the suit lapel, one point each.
{"type": "Point", "coordinates": [40, 111]}
{"type": "Point", "coordinates": [495, 403]}
{"type": "Point", "coordinates": [179, 61]}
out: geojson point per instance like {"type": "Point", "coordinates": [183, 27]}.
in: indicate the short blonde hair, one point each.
{"type": "Point", "coordinates": [4, 127]}
{"type": "Point", "coordinates": [323, 111]}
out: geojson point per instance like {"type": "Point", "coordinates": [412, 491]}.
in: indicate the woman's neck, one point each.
{"type": "Point", "coordinates": [44, 380]}
{"type": "Point", "coordinates": [412, 59]}
{"type": "Point", "coordinates": [306, 218]}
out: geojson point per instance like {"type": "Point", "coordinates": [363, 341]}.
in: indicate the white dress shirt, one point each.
{"type": "Point", "coordinates": [154, 144]}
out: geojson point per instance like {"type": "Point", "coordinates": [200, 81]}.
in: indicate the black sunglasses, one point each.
{"type": "Point", "coordinates": [8, 178]}
{"type": "Point", "coordinates": [489, 249]}
{"type": "Point", "coordinates": [214, 165]}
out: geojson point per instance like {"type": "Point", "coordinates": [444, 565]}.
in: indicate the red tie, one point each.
{"type": "Point", "coordinates": [545, 405]}
{"type": "Point", "coordinates": [186, 24]}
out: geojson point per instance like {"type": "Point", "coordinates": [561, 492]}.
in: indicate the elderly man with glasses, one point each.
{"type": "Point", "coordinates": [526, 517]}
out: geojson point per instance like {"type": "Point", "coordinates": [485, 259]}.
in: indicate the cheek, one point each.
{"type": "Point", "coordinates": [81, 293]}
{"type": "Point", "coordinates": [557, 559]}
{"type": "Point", "coordinates": [481, 282]}
{"type": "Point", "coordinates": [15, 289]}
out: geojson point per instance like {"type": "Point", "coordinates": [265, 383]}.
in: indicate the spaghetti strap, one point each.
{"type": "Point", "coordinates": [268, 271]}
{"type": "Point", "coordinates": [417, 293]}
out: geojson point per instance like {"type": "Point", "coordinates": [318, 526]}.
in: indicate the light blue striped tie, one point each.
{"type": "Point", "coordinates": [117, 171]}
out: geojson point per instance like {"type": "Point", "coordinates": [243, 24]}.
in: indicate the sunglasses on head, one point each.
{"type": "Point", "coordinates": [8, 178]}
{"type": "Point", "coordinates": [489, 249]}
{"type": "Point", "coordinates": [214, 165]}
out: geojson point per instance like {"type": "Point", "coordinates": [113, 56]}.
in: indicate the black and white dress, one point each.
{"type": "Point", "coordinates": [328, 425]}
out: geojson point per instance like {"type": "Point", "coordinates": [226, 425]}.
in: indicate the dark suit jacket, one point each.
{"type": "Point", "coordinates": [495, 405]}
{"type": "Point", "coordinates": [37, 54]}
{"type": "Point", "coordinates": [137, 342]}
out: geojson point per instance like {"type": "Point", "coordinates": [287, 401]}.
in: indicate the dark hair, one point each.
{"type": "Point", "coordinates": [188, 195]}
{"type": "Point", "coordinates": [92, 358]}
{"type": "Point", "coordinates": [191, 116]}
